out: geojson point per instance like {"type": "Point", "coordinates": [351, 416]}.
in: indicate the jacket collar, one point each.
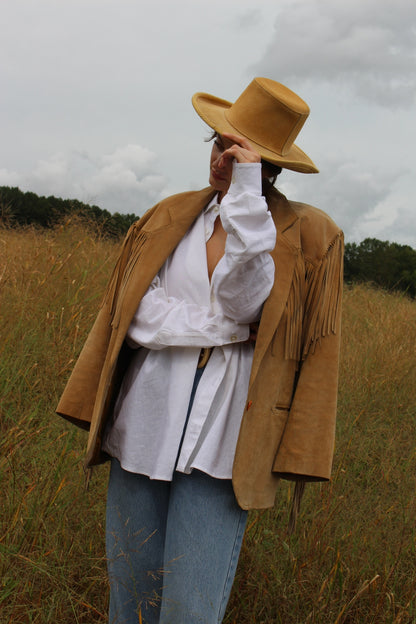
{"type": "Point", "coordinates": [180, 212]}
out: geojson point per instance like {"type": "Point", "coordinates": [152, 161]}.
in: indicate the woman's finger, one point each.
{"type": "Point", "coordinates": [241, 150]}
{"type": "Point", "coordinates": [239, 140]}
{"type": "Point", "coordinates": [241, 154]}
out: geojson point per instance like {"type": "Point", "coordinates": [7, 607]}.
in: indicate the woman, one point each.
{"type": "Point", "coordinates": [211, 370]}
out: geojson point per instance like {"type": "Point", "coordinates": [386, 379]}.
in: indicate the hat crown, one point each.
{"type": "Point", "coordinates": [269, 114]}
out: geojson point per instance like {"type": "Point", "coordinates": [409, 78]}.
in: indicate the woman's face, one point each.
{"type": "Point", "coordinates": [220, 169]}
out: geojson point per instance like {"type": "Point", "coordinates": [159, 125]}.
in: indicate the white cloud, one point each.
{"type": "Point", "coordinates": [364, 202]}
{"type": "Point", "coordinates": [135, 158]}
{"type": "Point", "coordinates": [369, 46]}
{"type": "Point", "coordinates": [125, 180]}
{"type": "Point", "coordinates": [9, 178]}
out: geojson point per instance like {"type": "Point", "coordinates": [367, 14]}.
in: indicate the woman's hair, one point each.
{"type": "Point", "coordinates": [269, 169]}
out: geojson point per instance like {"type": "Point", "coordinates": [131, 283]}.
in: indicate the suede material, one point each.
{"type": "Point", "coordinates": [287, 429]}
{"type": "Point", "coordinates": [268, 114]}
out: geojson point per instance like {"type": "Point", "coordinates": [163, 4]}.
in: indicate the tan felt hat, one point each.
{"type": "Point", "coordinates": [268, 114]}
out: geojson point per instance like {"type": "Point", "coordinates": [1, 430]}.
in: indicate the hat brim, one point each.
{"type": "Point", "coordinates": [213, 111]}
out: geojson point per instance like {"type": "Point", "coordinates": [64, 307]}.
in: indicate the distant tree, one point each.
{"type": "Point", "coordinates": [19, 208]}
{"type": "Point", "coordinates": [389, 265]}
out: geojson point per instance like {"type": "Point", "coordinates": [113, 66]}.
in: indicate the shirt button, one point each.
{"type": "Point", "coordinates": [234, 338]}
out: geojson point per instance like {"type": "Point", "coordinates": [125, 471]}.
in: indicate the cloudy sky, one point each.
{"type": "Point", "coordinates": [95, 99]}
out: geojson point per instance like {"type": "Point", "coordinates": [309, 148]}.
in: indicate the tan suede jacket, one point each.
{"type": "Point", "coordinates": [288, 425]}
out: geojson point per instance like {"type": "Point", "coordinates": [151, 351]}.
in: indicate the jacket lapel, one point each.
{"type": "Point", "coordinates": [285, 255]}
{"type": "Point", "coordinates": [160, 235]}
{"type": "Point", "coordinates": [167, 229]}
{"type": "Point", "coordinates": [180, 211]}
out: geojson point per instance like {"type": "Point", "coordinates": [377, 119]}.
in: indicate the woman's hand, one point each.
{"type": "Point", "coordinates": [226, 149]}
{"type": "Point", "coordinates": [240, 149]}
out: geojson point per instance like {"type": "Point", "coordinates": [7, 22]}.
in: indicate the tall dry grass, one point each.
{"type": "Point", "coordinates": [51, 532]}
{"type": "Point", "coordinates": [352, 558]}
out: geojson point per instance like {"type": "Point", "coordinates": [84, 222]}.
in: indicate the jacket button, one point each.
{"type": "Point", "coordinates": [234, 338]}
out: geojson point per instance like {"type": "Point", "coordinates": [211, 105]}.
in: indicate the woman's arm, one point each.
{"type": "Point", "coordinates": [163, 321]}
{"type": "Point", "coordinates": [244, 276]}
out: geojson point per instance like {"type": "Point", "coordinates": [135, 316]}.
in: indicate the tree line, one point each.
{"type": "Point", "coordinates": [18, 208]}
{"type": "Point", "coordinates": [388, 265]}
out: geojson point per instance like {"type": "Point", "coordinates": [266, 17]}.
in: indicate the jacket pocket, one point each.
{"type": "Point", "coordinates": [280, 415]}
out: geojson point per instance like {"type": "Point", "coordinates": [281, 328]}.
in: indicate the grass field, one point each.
{"type": "Point", "coordinates": [352, 559]}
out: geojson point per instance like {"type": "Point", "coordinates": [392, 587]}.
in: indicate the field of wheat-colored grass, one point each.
{"type": "Point", "coordinates": [352, 558]}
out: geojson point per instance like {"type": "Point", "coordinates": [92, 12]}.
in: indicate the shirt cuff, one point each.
{"type": "Point", "coordinates": [245, 178]}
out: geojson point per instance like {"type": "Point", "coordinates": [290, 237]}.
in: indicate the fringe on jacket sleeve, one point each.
{"type": "Point", "coordinates": [129, 254]}
{"type": "Point", "coordinates": [314, 301]}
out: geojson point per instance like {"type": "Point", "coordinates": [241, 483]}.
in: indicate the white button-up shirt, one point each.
{"type": "Point", "coordinates": [181, 312]}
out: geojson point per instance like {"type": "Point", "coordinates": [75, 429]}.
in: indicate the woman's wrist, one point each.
{"type": "Point", "coordinates": [245, 178]}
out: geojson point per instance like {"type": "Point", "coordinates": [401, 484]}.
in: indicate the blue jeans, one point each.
{"type": "Point", "coordinates": [172, 547]}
